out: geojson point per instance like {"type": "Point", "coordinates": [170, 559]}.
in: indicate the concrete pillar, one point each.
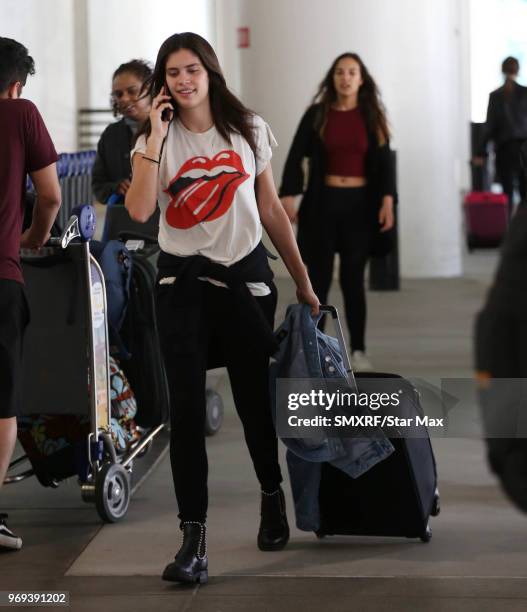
{"type": "Point", "coordinates": [47, 30]}
{"type": "Point", "coordinates": [77, 45]}
{"type": "Point", "coordinates": [120, 31]}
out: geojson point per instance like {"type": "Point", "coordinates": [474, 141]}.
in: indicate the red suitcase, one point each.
{"type": "Point", "coordinates": [486, 218]}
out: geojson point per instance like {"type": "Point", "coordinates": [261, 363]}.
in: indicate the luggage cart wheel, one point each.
{"type": "Point", "coordinates": [427, 535]}
{"type": "Point", "coordinates": [436, 505]}
{"type": "Point", "coordinates": [214, 417]}
{"type": "Point", "coordinates": [112, 492]}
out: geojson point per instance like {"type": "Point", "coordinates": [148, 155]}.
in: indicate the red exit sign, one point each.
{"type": "Point", "coordinates": [243, 38]}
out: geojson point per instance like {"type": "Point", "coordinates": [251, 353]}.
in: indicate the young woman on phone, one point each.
{"type": "Point", "coordinates": [208, 167]}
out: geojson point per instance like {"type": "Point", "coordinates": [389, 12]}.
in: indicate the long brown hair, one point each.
{"type": "Point", "coordinates": [228, 113]}
{"type": "Point", "coordinates": [369, 99]}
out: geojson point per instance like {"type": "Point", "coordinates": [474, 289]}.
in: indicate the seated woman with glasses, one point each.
{"type": "Point", "coordinates": [112, 170]}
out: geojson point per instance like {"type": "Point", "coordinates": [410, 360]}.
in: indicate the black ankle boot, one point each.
{"type": "Point", "coordinates": [274, 530]}
{"type": "Point", "coordinates": [191, 563]}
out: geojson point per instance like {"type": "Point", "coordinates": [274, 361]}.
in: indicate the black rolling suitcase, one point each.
{"type": "Point", "coordinates": [145, 369]}
{"type": "Point", "coordinates": [397, 496]}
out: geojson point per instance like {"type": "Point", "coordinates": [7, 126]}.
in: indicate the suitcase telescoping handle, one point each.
{"type": "Point", "coordinates": [331, 310]}
{"type": "Point", "coordinates": [130, 235]}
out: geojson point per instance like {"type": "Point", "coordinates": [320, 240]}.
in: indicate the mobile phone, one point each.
{"type": "Point", "coordinates": [168, 113]}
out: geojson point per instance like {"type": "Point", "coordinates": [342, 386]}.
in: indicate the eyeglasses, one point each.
{"type": "Point", "coordinates": [132, 92]}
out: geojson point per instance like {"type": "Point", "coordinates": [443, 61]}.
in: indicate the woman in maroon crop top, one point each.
{"type": "Point", "coordinates": [350, 189]}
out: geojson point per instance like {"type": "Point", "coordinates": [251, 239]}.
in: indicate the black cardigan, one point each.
{"type": "Point", "coordinates": [506, 117]}
{"type": "Point", "coordinates": [187, 295]}
{"type": "Point", "coordinates": [112, 163]}
{"type": "Point", "coordinates": [307, 142]}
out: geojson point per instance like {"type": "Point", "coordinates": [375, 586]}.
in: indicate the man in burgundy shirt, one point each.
{"type": "Point", "coordinates": [26, 148]}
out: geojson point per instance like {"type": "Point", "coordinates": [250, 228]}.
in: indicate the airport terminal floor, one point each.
{"type": "Point", "coordinates": [476, 560]}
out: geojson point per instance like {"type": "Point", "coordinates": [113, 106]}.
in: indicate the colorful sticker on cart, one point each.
{"type": "Point", "coordinates": [97, 304]}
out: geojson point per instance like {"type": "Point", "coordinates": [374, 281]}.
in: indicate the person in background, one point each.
{"type": "Point", "coordinates": [350, 190]}
{"type": "Point", "coordinates": [506, 127]}
{"type": "Point", "coordinates": [26, 149]}
{"type": "Point", "coordinates": [500, 341]}
{"type": "Point", "coordinates": [112, 171]}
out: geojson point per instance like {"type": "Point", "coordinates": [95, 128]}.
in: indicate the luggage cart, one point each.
{"type": "Point", "coordinates": [66, 366]}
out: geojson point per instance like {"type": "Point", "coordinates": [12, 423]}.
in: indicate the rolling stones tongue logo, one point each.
{"type": "Point", "coordinates": [203, 189]}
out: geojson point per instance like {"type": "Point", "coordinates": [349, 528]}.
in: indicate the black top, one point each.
{"type": "Point", "coordinates": [380, 175]}
{"type": "Point", "coordinates": [112, 163]}
{"type": "Point", "coordinates": [506, 116]}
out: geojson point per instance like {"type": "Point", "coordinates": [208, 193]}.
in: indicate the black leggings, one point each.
{"type": "Point", "coordinates": [509, 170]}
{"type": "Point", "coordinates": [346, 229]}
{"type": "Point", "coordinates": [186, 372]}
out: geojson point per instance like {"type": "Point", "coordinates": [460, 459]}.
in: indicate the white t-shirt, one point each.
{"type": "Point", "coordinates": [206, 191]}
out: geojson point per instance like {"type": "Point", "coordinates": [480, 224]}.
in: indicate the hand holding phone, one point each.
{"type": "Point", "coordinates": [161, 113]}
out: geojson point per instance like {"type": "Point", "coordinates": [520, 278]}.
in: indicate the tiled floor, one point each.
{"type": "Point", "coordinates": [477, 559]}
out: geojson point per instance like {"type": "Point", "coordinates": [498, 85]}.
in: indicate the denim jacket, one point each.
{"type": "Point", "coordinates": [306, 352]}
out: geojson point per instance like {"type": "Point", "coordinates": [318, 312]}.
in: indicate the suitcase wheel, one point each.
{"type": "Point", "coordinates": [427, 535]}
{"type": "Point", "coordinates": [214, 414]}
{"type": "Point", "coordinates": [436, 504]}
{"type": "Point", "coordinates": [320, 534]}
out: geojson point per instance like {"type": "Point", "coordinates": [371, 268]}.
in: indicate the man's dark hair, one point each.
{"type": "Point", "coordinates": [510, 65]}
{"type": "Point", "coordinates": [15, 63]}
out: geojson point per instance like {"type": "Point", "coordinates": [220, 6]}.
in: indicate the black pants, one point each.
{"type": "Point", "coordinates": [509, 171]}
{"type": "Point", "coordinates": [346, 230]}
{"type": "Point", "coordinates": [186, 365]}
{"type": "Point", "coordinates": [14, 317]}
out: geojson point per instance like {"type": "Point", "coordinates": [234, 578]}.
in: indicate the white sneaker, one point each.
{"type": "Point", "coordinates": [360, 363]}
{"type": "Point", "coordinates": [7, 538]}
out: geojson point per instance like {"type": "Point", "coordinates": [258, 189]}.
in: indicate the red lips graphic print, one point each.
{"type": "Point", "coordinates": [203, 189]}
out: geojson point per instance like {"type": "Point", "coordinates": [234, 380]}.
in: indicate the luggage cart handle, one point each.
{"type": "Point", "coordinates": [81, 225]}
{"type": "Point", "coordinates": [70, 232]}
{"type": "Point", "coordinates": [331, 310]}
